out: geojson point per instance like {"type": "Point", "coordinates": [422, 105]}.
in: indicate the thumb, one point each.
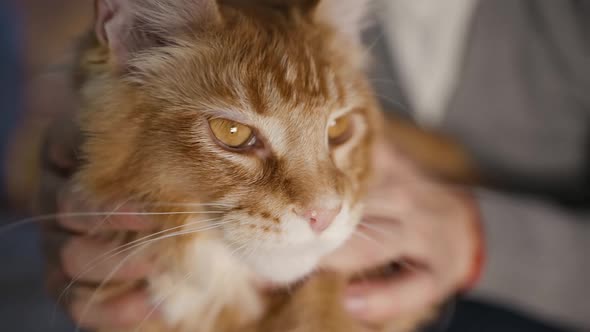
{"type": "Point", "coordinates": [380, 301]}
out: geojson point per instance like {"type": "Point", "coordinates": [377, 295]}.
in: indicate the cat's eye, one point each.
{"type": "Point", "coordinates": [232, 134]}
{"type": "Point", "coordinates": [340, 130]}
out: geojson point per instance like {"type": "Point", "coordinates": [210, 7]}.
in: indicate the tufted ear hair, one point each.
{"type": "Point", "coordinates": [347, 16]}
{"type": "Point", "coordinates": [128, 26]}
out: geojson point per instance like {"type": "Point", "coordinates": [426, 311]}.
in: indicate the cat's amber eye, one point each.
{"type": "Point", "coordinates": [340, 130]}
{"type": "Point", "coordinates": [232, 134]}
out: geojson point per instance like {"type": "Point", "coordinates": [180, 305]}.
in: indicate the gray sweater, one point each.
{"type": "Point", "coordinates": [521, 104]}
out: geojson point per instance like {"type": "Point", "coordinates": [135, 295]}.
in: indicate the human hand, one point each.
{"type": "Point", "coordinates": [429, 227]}
{"type": "Point", "coordinates": [74, 245]}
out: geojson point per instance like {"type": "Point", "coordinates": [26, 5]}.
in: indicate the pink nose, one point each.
{"type": "Point", "coordinates": [321, 218]}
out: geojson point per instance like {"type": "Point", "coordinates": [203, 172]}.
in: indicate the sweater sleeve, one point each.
{"type": "Point", "coordinates": [538, 257]}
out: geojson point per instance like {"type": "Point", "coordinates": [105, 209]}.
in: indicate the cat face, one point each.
{"type": "Point", "coordinates": [264, 116]}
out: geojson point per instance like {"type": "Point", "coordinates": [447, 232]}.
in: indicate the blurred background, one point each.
{"type": "Point", "coordinates": [509, 79]}
{"type": "Point", "coordinates": [36, 38]}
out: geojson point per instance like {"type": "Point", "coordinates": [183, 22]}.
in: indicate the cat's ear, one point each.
{"type": "Point", "coordinates": [347, 16]}
{"type": "Point", "coordinates": [128, 26]}
{"type": "Point", "coordinates": [112, 22]}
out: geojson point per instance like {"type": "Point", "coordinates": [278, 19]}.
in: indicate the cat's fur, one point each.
{"type": "Point", "coordinates": [150, 76]}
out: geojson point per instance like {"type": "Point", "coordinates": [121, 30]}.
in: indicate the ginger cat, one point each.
{"type": "Point", "coordinates": [245, 127]}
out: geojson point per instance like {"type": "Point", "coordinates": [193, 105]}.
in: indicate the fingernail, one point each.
{"type": "Point", "coordinates": [355, 304]}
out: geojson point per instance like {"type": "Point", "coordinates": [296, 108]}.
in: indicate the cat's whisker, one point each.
{"type": "Point", "coordinates": [247, 239]}
{"type": "Point", "coordinates": [373, 228]}
{"type": "Point", "coordinates": [114, 252]}
{"type": "Point", "coordinates": [144, 243]}
{"type": "Point", "coordinates": [169, 235]}
{"type": "Point", "coordinates": [408, 265]}
{"type": "Point", "coordinates": [369, 48]}
{"type": "Point", "coordinates": [399, 104]}
{"type": "Point", "coordinates": [366, 237]}
{"type": "Point", "coordinates": [240, 247]}
{"type": "Point", "coordinates": [185, 204]}
{"type": "Point", "coordinates": [253, 250]}
{"type": "Point", "coordinates": [106, 218]}
{"type": "Point", "coordinates": [53, 216]}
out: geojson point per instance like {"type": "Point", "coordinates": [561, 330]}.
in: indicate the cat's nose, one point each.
{"type": "Point", "coordinates": [321, 217]}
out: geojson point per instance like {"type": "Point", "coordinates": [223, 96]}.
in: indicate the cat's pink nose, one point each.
{"type": "Point", "coordinates": [320, 218]}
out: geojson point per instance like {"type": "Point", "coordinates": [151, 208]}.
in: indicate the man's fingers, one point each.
{"type": "Point", "coordinates": [82, 257]}
{"type": "Point", "coordinates": [126, 311]}
{"type": "Point", "coordinates": [72, 256]}
{"type": "Point", "coordinates": [380, 301]}
{"type": "Point", "coordinates": [76, 215]}
{"type": "Point", "coordinates": [62, 141]}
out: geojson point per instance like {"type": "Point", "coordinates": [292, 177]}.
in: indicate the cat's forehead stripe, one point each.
{"type": "Point", "coordinates": [298, 77]}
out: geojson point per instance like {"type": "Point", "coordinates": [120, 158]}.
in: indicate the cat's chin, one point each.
{"type": "Point", "coordinates": [277, 271]}
{"type": "Point", "coordinates": [285, 266]}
